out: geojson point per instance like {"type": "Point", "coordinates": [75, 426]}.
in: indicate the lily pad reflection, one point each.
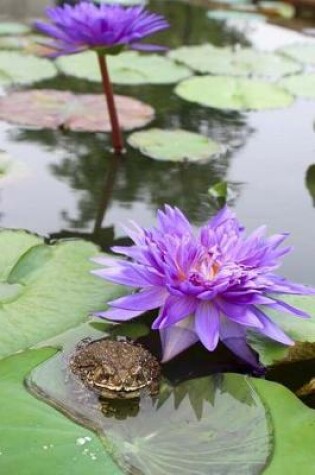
{"type": "Point", "coordinates": [216, 424]}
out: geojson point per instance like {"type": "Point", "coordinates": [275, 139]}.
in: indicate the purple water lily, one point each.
{"type": "Point", "coordinates": [106, 29]}
{"type": "Point", "coordinates": [209, 287]}
{"type": "Point", "coordinates": [75, 28]}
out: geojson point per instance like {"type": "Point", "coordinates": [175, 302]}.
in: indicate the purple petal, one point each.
{"type": "Point", "coordinates": [177, 338]}
{"type": "Point", "coordinates": [285, 307]}
{"type": "Point", "coordinates": [105, 260]}
{"type": "Point", "coordinates": [271, 330]}
{"type": "Point", "coordinates": [88, 25]}
{"type": "Point", "coordinates": [118, 314]}
{"type": "Point", "coordinates": [174, 310]}
{"type": "Point", "coordinates": [240, 314]}
{"type": "Point", "coordinates": [142, 301]}
{"type": "Point", "coordinates": [233, 336]}
{"type": "Point", "coordinates": [172, 220]}
{"type": "Point", "coordinates": [130, 274]}
{"type": "Point", "coordinates": [207, 325]}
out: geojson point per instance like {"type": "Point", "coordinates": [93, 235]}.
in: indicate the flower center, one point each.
{"type": "Point", "coordinates": [204, 270]}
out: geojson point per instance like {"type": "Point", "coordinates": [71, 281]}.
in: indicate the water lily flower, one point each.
{"type": "Point", "coordinates": [210, 286]}
{"type": "Point", "coordinates": [106, 29]}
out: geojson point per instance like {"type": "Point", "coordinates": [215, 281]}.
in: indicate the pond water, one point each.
{"type": "Point", "coordinates": [272, 151]}
{"type": "Point", "coordinates": [72, 186]}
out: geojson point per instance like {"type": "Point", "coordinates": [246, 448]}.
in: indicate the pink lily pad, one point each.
{"type": "Point", "coordinates": [77, 112]}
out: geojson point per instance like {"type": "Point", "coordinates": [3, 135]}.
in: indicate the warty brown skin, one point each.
{"type": "Point", "coordinates": [116, 369]}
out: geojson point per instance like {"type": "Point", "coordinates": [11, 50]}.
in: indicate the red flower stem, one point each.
{"type": "Point", "coordinates": [117, 139]}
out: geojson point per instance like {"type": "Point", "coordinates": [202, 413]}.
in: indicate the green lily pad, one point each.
{"type": "Point", "coordinates": [52, 109]}
{"type": "Point", "coordinates": [215, 423]}
{"type": "Point", "coordinates": [46, 288]}
{"type": "Point", "coordinates": [126, 68]}
{"type": "Point", "coordinates": [174, 145]}
{"type": "Point", "coordinates": [242, 62]}
{"type": "Point", "coordinates": [11, 42]}
{"type": "Point", "coordinates": [30, 44]}
{"type": "Point", "coordinates": [25, 69]}
{"type": "Point", "coordinates": [302, 85]}
{"type": "Point", "coordinates": [34, 437]}
{"type": "Point", "coordinates": [293, 427]}
{"type": "Point", "coordinates": [221, 424]}
{"type": "Point", "coordinates": [302, 331]}
{"type": "Point", "coordinates": [229, 93]}
{"type": "Point", "coordinates": [302, 52]}
{"type": "Point", "coordinates": [12, 28]}
{"type": "Point", "coordinates": [225, 15]}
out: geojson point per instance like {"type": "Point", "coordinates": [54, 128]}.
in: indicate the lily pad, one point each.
{"type": "Point", "coordinates": [302, 85]}
{"type": "Point", "coordinates": [12, 28]}
{"type": "Point", "coordinates": [302, 331]}
{"type": "Point", "coordinates": [46, 288]}
{"type": "Point", "coordinates": [293, 427]}
{"type": "Point", "coordinates": [63, 109]}
{"type": "Point", "coordinates": [31, 44]}
{"type": "Point", "coordinates": [226, 15]}
{"type": "Point", "coordinates": [242, 62]}
{"type": "Point", "coordinates": [34, 437]}
{"type": "Point", "coordinates": [126, 68]}
{"type": "Point", "coordinates": [25, 69]}
{"type": "Point", "coordinates": [303, 52]}
{"type": "Point", "coordinates": [174, 145]}
{"type": "Point", "coordinates": [229, 93]}
{"type": "Point", "coordinates": [215, 423]}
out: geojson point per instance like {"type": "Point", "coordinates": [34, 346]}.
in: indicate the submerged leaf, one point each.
{"type": "Point", "coordinates": [25, 69]}
{"type": "Point", "coordinates": [229, 93]}
{"type": "Point", "coordinates": [34, 437]}
{"type": "Point", "coordinates": [126, 68]}
{"type": "Point", "coordinates": [47, 288]}
{"type": "Point", "coordinates": [174, 145]}
{"type": "Point", "coordinates": [213, 424]}
{"type": "Point", "coordinates": [78, 112]}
